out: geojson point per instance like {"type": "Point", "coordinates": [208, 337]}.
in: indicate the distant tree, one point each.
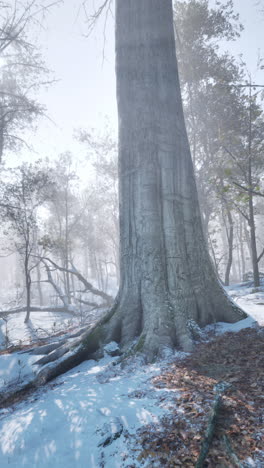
{"type": "Point", "coordinates": [24, 190]}
{"type": "Point", "coordinates": [22, 70]}
{"type": "Point", "coordinates": [62, 225]}
{"type": "Point", "coordinates": [217, 115]}
{"type": "Point", "coordinates": [243, 169]}
{"type": "Point", "coordinates": [204, 72]}
{"type": "Point", "coordinates": [102, 215]}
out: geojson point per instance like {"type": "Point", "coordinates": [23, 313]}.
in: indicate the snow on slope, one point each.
{"type": "Point", "coordinates": [65, 425]}
{"type": "Point", "coordinates": [250, 299]}
{"type": "Point", "coordinates": [40, 325]}
{"type": "Point", "coordinates": [68, 423]}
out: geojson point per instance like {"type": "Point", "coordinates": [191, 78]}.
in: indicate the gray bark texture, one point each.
{"type": "Point", "coordinates": [166, 273]}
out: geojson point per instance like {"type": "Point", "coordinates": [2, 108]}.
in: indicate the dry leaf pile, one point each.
{"type": "Point", "coordinates": [238, 360]}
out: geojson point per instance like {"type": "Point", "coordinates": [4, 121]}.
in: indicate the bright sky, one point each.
{"type": "Point", "coordinates": [84, 96]}
{"type": "Point", "coordinates": [85, 93]}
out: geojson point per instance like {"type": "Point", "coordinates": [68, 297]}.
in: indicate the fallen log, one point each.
{"type": "Point", "coordinates": [70, 310]}
{"type": "Point", "coordinates": [87, 285]}
{"type": "Point", "coordinates": [211, 426]}
{"type": "Point", "coordinates": [64, 357]}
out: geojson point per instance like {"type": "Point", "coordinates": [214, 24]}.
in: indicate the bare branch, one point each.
{"type": "Point", "coordinates": [246, 189]}
{"type": "Point", "coordinates": [260, 256]}
{"type": "Point", "coordinates": [88, 286]}
{"type": "Point", "coordinates": [62, 296]}
{"type": "Point", "coordinates": [93, 18]}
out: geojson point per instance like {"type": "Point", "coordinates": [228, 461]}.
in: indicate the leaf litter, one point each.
{"type": "Point", "coordinates": [236, 359]}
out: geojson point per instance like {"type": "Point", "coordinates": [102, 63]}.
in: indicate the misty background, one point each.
{"type": "Point", "coordinates": [59, 246]}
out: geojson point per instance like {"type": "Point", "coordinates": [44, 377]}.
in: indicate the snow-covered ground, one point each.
{"type": "Point", "coordinates": [250, 299]}
{"type": "Point", "coordinates": [42, 325]}
{"type": "Point", "coordinates": [13, 330]}
{"type": "Point", "coordinates": [82, 419]}
{"type": "Point", "coordinates": [69, 424]}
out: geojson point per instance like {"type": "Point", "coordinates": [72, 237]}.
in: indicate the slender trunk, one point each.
{"type": "Point", "coordinates": [73, 286]}
{"type": "Point", "coordinates": [2, 126]}
{"type": "Point", "coordinates": [28, 286]}
{"type": "Point", "coordinates": [68, 288]}
{"type": "Point", "coordinates": [234, 273]}
{"type": "Point", "coordinates": [238, 242]}
{"type": "Point", "coordinates": [241, 246]}
{"type": "Point", "coordinates": [98, 270]}
{"type": "Point", "coordinates": [247, 238]}
{"type": "Point", "coordinates": [213, 255]}
{"type": "Point", "coordinates": [106, 277]}
{"type": "Point", "coordinates": [39, 285]}
{"type": "Point", "coordinates": [100, 274]}
{"type": "Point", "coordinates": [253, 242]}
{"type": "Point", "coordinates": [239, 264]}
{"type": "Point", "coordinates": [86, 261]}
{"type": "Point", "coordinates": [230, 240]}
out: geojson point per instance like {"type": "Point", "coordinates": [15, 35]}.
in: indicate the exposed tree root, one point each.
{"type": "Point", "coordinates": [210, 430]}
{"type": "Point", "coordinates": [233, 457]}
{"type": "Point", "coordinates": [152, 337]}
{"type": "Point", "coordinates": [209, 434]}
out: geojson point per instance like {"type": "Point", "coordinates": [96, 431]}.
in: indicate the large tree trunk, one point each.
{"type": "Point", "coordinates": [166, 274]}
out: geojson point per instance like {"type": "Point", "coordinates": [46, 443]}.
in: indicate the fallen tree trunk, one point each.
{"type": "Point", "coordinates": [60, 358]}
{"type": "Point", "coordinates": [4, 313]}
{"type": "Point", "coordinates": [88, 286]}
{"type": "Point", "coordinates": [63, 297]}
{"type": "Point", "coordinates": [94, 305]}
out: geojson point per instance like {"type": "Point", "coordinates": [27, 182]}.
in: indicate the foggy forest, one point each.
{"type": "Point", "coordinates": [132, 233]}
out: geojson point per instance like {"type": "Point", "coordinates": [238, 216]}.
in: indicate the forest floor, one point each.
{"type": "Point", "coordinates": [237, 359]}
{"type": "Point", "coordinates": [106, 415]}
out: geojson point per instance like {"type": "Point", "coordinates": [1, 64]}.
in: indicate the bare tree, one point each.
{"type": "Point", "coordinates": [22, 194]}
{"type": "Point", "coordinates": [22, 71]}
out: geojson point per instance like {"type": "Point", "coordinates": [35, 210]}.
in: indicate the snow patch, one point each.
{"type": "Point", "coordinates": [83, 423]}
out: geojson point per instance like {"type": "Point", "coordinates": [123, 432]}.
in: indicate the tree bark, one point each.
{"type": "Point", "coordinates": [166, 274]}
